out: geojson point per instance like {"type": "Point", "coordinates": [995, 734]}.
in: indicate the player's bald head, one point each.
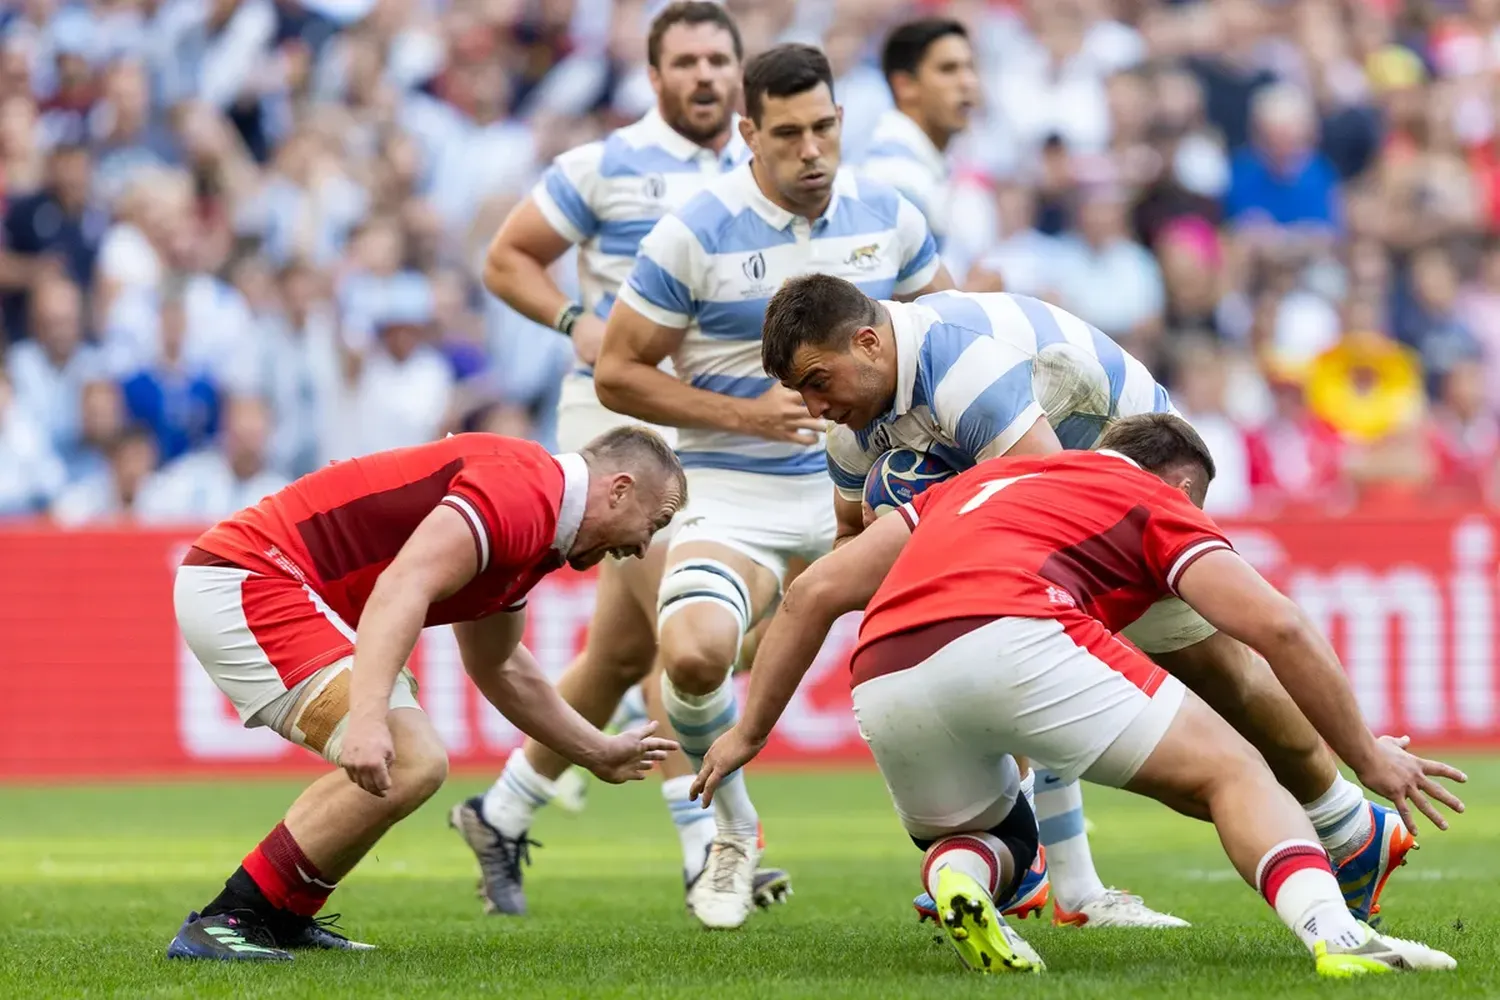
{"type": "Point", "coordinates": [1166, 445]}
{"type": "Point", "coordinates": [642, 453]}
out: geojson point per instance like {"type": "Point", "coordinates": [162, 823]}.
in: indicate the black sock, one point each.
{"type": "Point", "coordinates": [241, 893]}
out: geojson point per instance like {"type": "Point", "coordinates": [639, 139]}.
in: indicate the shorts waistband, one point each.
{"type": "Point", "coordinates": [202, 557]}
{"type": "Point", "coordinates": [904, 650]}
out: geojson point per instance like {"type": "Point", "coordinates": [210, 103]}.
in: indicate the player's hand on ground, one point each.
{"type": "Point", "coordinates": [778, 414]}
{"type": "Point", "coordinates": [628, 756]}
{"type": "Point", "coordinates": [729, 753]}
{"type": "Point", "coordinates": [1408, 780]}
{"type": "Point", "coordinates": [588, 337]}
{"type": "Point", "coordinates": [367, 754]}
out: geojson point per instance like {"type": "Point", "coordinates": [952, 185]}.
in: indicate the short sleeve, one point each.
{"type": "Point", "coordinates": [848, 463]}
{"type": "Point", "coordinates": [911, 180]}
{"type": "Point", "coordinates": [569, 191]}
{"type": "Point", "coordinates": [670, 267]}
{"type": "Point", "coordinates": [1178, 534]}
{"type": "Point", "coordinates": [980, 391]}
{"type": "Point", "coordinates": [510, 514]}
{"type": "Point", "coordinates": [919, 253]}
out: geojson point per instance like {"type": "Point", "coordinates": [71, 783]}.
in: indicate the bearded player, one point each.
{"type": "Point", "coordinates": [989, 606]}
{"type": "Point", "coordinates": [304, 609]}
{"type": "Point", "coordinates": [603, 197]}
{"type": "Point", "coordinates": [967, 377]}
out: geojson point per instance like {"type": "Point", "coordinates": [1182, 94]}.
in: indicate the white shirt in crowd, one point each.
{"type": "Point", "coordinates": [200, 487]}
{"type": "Point", "coordinates": [31, 474]}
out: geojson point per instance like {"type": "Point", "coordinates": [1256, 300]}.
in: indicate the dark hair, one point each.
{"type": "Point", "coordinates": [907, 45]}
{"type": "Point", "coordinates": [782, 72]}
{"type": "Point", "coordinates": [816, 309]}
{"type": "Point", "coordinates": [1159, 443]}
{"type": "Point", "coordinates": [690, 12]}
{"type": "Point", "coordinates": [632, 446]}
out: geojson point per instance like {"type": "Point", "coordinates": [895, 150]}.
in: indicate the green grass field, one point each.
{"type": "Point", "coordinates": [93, 882]}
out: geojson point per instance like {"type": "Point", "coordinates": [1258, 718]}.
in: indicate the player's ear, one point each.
{"type": "Point", "coordinates": [747, 131]}
{"type": "Point", "coordinates": [620, 487]}
{"type": "Point", "coordinates": [866, 340]}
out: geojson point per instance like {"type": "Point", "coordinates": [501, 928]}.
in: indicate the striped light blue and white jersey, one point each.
{"type": "Point", "coordinates": [606, 195]}
{"type": "Point", "coordinates": [974, 372]}
{"type": "Point", "coordinates": [710, 268]}
{"type": "Point", "coordinates": [902, 156]}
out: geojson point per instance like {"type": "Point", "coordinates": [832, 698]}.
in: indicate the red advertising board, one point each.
{"type": "Point", "coordinates": [97, 682]}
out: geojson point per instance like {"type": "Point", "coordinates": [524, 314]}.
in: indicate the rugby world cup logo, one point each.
{"type": "Point", "coordinates": [755, 267]}
{"type": "Point", "coordinates": [656, 187]}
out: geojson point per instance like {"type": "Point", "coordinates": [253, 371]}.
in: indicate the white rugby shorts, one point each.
{"type": "Point", "coordinates": [768, 519]}
{"type": "Point", "coordinates": [581, 417]}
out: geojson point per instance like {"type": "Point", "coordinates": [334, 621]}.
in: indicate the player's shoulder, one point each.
{"type": "Point", "coordinates": [582, 160]}
{"type": "Point", "coordinates": [718, 217]}
{"type": "Point", "coordinates": [870, 194]}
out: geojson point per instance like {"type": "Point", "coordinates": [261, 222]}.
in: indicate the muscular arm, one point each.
{"type": "Point", "coordinates": [628, 380]}
{"type": "Point", "coordinates": [510, 679]}
{"type": "Point", "coordinates": [838, 583]}
{"type": "Point", "coordinates": [942, 281]}
{"type": "Point", "coordinates": [436, 561]}
{"type": "Point", "coordinates": [1226, 590]}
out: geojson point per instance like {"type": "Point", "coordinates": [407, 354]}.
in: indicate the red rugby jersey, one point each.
{"type": "Point", "coordinates": [1041, 537]}
{"type": "Point", "coordinates": [336, 529]}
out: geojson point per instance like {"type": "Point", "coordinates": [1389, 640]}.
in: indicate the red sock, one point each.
{"type": "Point", "coordinates": [285, 876]}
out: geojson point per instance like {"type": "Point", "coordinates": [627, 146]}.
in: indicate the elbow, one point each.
{"type": "Point", "coordinates": [500, 271]}
{"type": "Point", "coordinates": [816, 595]}
{"type": "Point", "coordinates": [611, 381]}
{"type": "Point", "coordinates": [1287, 628]}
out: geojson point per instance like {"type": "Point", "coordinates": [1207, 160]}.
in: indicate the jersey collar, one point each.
{"type": "Point", "coordinates": [774, 215]}
{"type": "Point", "coordinates": [1116, 454]}
{"type": "Point", "coordinates": [685, 149]}
{"type": "Point", "coordinates": [575, 493]}
{"type": "Point", "coordinates": [906, 336]}
{"type": "Point", "coordinates": [899, 128]}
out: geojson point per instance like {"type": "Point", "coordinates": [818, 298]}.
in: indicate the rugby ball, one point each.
{"type": "Point", "coordinates": [898, 476]}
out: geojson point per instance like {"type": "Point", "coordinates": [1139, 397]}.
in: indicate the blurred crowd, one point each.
{"type": "Point", "coordinates": [242, 238]}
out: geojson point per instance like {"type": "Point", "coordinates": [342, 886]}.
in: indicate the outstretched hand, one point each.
{"type": "Point", "coordinates": [628, 756]}
{"type": "Point", "coordinates": [1407, 780]}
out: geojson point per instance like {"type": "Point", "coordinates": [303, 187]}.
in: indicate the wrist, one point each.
{"type": "Point", "coordinates": [567, 318]}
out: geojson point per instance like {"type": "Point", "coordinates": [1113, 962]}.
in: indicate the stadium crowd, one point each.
{"type": "Point", "coordinates": [244, 237]}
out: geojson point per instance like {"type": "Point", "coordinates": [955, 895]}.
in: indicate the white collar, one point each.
{"type": "Point", "coordinates": [774, 215]}
{"type": "Point", "coordinates": [575, 494]}
{"type": "Point", "coordinates": [906, 336]}
{"type": "Point", "coordinates": [1116, 454]}
{"type": "Point", "coordinates": [899, 127]}
{"type": "Point", "coordinates": [685, 149]}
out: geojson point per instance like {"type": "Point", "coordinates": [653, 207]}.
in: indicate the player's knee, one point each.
{"type": "Point", "coordinates": [696, 664]}
{"type": "Point", "coordinates": [703, 611]}
{"type": "Point", "coordinates": [416, 777]}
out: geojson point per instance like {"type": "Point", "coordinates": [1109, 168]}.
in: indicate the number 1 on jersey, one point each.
{"type": "Point", "coordinates": [989, 489]}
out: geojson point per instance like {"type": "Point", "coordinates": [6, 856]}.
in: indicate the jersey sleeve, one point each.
{"type": "Point", "coordinates": [848, 463]}
{"type": "Point", "coordinates": [979, 390]}
{"type": "Point", "coordinates": [1178, 534]}
{"type": "Point", "coordinates": [569, 191]}
{"type": "Point", "coordinates": [664, 282]}
{"type": "Point", "coordinates": [511, 516]}
{"type": "Point", "coordinates": [919, 253]}
{"type": "Point", "coordinates": [909, 179]}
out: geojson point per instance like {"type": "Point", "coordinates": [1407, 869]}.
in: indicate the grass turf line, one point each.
{"type": "Point", "coordinates": [94, 881]}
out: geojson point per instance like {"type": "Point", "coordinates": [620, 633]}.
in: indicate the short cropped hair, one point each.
{"type": "Point", "coordinates": [690, 12]}
{"type": "Point", "coordinates": [1159, 443]}
{"type": "Point", "coordinates": [632, 446]}
{"type": "Point", "coordinates": [784, 71]}
{"type": "Point", "coordinates": [906, 46]}
{"type": "Point", "coordinates": [813, 309]}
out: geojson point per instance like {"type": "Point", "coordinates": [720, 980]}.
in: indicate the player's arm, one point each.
{"type": "Point", "coordinates": [436, 562]}
{"type": "Point", "coordinates": [922, 272]}
{"type": "Point", "coordinates": [1227, 591]}
{"type": "Point", "coordinates": [848, 466]}
{"type": "Point", "coordinates": [836, 584]}
{"type": "Point", "coordinates": [538, 231]}
{"type": "Point", "coordinates": [510, 679]}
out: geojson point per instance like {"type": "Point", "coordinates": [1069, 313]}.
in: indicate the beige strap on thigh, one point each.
{"type": "Point", "coordinates": [316, 713]}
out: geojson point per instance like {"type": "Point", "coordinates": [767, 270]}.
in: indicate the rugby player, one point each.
{"type": "Point", "coordinates": [929, 67]}
{"type": "Point", "coordinates": [603, 197]}
{"type": "Point", "coordinates": [753, 454]}
{"type": "Point", "coordinates": [969, 377]}
{"type": "Point", "coordinates": [304, 608]}
{"type": "Point", "coordinates": [988, 632]}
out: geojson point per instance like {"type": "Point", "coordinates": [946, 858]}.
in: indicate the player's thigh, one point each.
{"type": "Point", "coordinates": [581, 417]}
{"type": "Point", "coordinates": [1197, 751]}
{"type": "Point", "coordinates": [1167, 626]}
{"type": "Point", "coordinates": [770, 520]}
{"type": "Point", "coordinates": [939, 781]}
{"type": "Point", "coordinates": [622, 632]}
{"type": "Point", "coordinates": [710, 596]}
{"type": "Point", "coordinates": [257, 637]}
{"type": "Point", "coordinates": [314, 713]}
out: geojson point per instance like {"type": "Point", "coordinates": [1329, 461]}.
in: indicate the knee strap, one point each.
{"type": "Point", "coordinates": [696, 581]}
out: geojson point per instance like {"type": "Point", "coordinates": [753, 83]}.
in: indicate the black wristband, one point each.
{"type": "Point", "coordinates": [567, 318]}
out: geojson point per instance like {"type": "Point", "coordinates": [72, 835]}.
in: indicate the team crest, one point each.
{"type": "Point", "coordinates": [865, 258]}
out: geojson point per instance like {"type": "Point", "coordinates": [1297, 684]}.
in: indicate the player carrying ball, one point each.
{"type": "Point", "coordinates": [304, 608]}
{"type": "Point", "coordinates": [991, 605]}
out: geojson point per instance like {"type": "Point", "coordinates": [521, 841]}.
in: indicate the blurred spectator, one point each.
{"type": "Point", "coordinates": [1464, 436]}
{"type": "Point", "coordinates": [1294, 457]}
{"type": "Point", "coordinates": [126, 137]}
{"type": "Point", "coordinates": [1107, 278]}
{"type": "Point", "coordinates": [111, 493]}
{"type": "Point", "coordinates": [50, 370]}
{"type": "Point", "coordinates": [402, 384]}
{"type": "Point", "coordinates": [101, 421]}
{"type": "Point", "coordinates": [214, 482]}
{"type": "Point", "coordinates": [1479, 310]}
{"type": "Point", "coordinates": [59, 221]}
{"type": "Point", "coordinates": [1281, 181]}
{"type": "Point", "coordinates": [30, 471]}
{"type": "Point", "coordinates": [1430, 321]}
{"type": "Point", "coordinates": [1024, 259]}
{"type": "Point", "coordinates": [174, 399]}
{"type": "Point", "coordinates": [1240, 66]}
{"type": "Point", "coordinates": [1200, 394]}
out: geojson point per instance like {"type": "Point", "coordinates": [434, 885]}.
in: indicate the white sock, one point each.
{"type": "Point", "coordinates": [699, 721]}
{"type": "Point", "coordinates": [1059, 820]}
{"type": "Point", "coordinates": [511, 802]}
{"type": "Point", "coordinates": [1028, 789]}
{"type": "Point", "coordinates": [695, 824]}
{"type": "Point", "coordinates": [1342, 818]}
{"type": "Point", "coordinates": [981, 856]}
{"type": "Point", "coordinates": [1296, 879]}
